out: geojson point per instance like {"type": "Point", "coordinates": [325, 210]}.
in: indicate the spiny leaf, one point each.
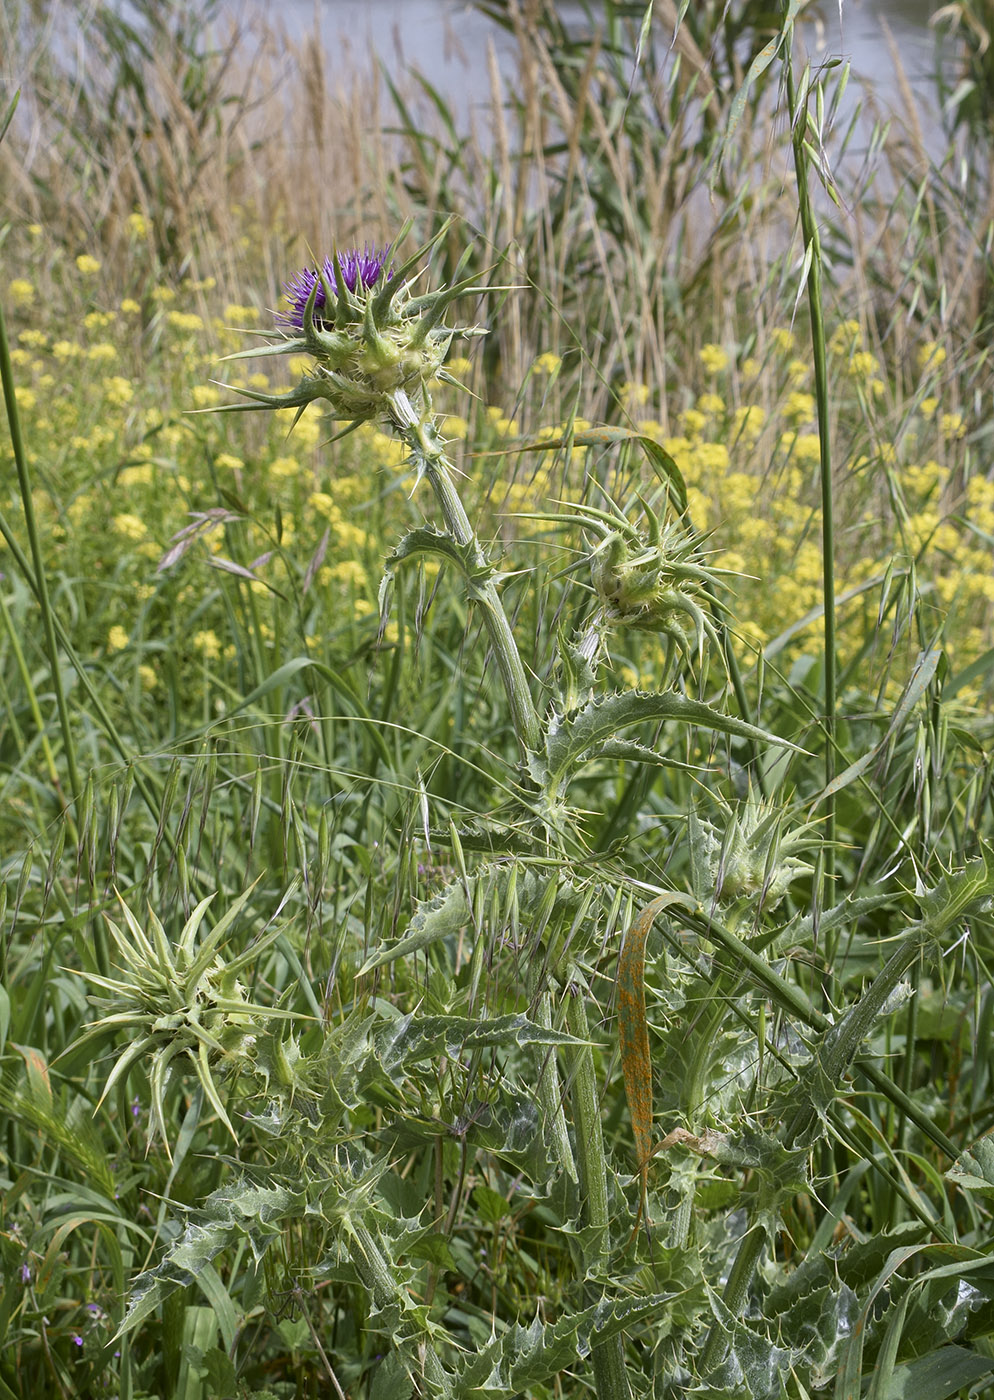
{"type": "Point", "coordinates": [599, 721]}
{"type": "Point", "coordinates": [525, 1357]}
{"type": "Point", "coordinates": [416, 1038]}
{"type": "Point", "coordinates": [240, 1211]}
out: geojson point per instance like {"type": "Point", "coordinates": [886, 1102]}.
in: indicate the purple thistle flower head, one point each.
{"type": "Point", "coordinates": [360, 270]}
{"type": "Point", "coordinates": [375, 344]}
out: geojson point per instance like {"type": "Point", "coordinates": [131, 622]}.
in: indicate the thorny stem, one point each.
{"type": "Point", "coordinates": [377, 1278]}
{"type": "Point", "coordinates": [417, 428]}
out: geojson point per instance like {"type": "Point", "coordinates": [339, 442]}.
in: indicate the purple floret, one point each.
{"type": "Point", "coordinates": [359, 268]}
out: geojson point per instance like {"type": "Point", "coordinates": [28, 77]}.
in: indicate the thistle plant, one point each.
{"type": "Point", "coordinates": [377, 349]}
{"type": "Point", "coordinates": [332, 1113]}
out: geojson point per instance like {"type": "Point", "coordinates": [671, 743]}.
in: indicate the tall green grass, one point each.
{"type": "Point", "coordinates": [565, 969]}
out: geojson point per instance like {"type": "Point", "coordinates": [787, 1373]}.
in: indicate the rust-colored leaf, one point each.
{"type": "Point", "coordinates": [633, 1035]}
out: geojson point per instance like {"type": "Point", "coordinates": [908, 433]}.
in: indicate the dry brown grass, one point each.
{"type": "Point", "coordinates": [591, 200]}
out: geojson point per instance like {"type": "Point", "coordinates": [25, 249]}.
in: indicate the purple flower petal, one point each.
{"type": "Point", "coordinates": [359, 268]}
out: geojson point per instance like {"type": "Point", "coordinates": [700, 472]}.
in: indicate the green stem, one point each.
{"type": "Point", "coordinates": [417, 428]}
{"type": "Point", "coordinates": [34, 540]}
{"type": "Point", "coordinates": [813, 261]}
{"type": "Point", "coordinates": [372, 1267]}
{"type": "Point", "coordinates": [736, 1292]}
{"type": "Point", "coordinates": [608, 1357]}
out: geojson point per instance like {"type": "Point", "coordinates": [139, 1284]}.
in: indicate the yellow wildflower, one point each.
{"type": "Point", "coordinates": [979, 490]}
{"type": "Point", "coordinates": [548, 363]}
{"type": "Point", "coordinates": [184, 321]}
{"type": "Point", "coordinates": [931, 356]}
{"type": "Point", "coordinates": [800, 408]}
{"type": "Point", "coordinates": [321, 502]}
{"type": "Point", "coordinates": [103, 353]}
{"type": "Point", "coordinates": [458, 366]}
{"type": "Point", "coordinates": [351, 537]}
{"type": "Point", "coordinates": [862, 364]}
{"type": "Point", "coordinates": [693, 422]}
{"type": "Point", "coordinates": [349, 572]}
{"type": "Point", "coordinates": [844, 338]}
{"type": "Point", "coordinates": [714, 359]}
{"type": "Point", "coordinates": [130, 307]}
{"type": "Point", "coordinates": [130, 526]}
{"type": "Point", "coordinates": [802, 448]}
{"type": "Point", "coordinates": [135, 476]}
{"type": "Point", "coordinates": [712, 457]}
{"type": "Point", "coordinates": [208, 644]}
{"type": "Point", "coordinates": [783, 339]}
{"type": "Point", "coordinates": [149, 680]}
{"type": "Point", "coordinates": [634, 395]}
{"type": "Point", "coordinates": [118, 391]}
{"type": "Point", "coordinates": [747, 422]}
{"type": "Point", "coordinates": [227, 461]}
{"type": "Point", "coordinates": [22, 292]}
{"type": "Point", "coordinates": [117, 638]}
{"type": "Point", "coordinates": [87, 265]}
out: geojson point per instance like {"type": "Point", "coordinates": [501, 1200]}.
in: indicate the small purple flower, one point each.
{"type": "Point", "coordinates": [359, 269]}
{"type": "Point", "coordinates": [77, 1339]}
{"type": "Point", "coordinates": [25, 1274]}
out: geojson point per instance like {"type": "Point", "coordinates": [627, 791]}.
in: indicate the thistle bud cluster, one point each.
{"type": "Point", "coordinates": [181, 999]}
{"type": "Point", "coordinates": [649, 578]}
{"type": "Point", "coordinates": [754, 857]}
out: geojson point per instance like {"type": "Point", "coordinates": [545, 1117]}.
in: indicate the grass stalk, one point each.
{"type": "Point", "coordinates": [34, 541]}
{"type": "Point", "coordinates": [798, 114]}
